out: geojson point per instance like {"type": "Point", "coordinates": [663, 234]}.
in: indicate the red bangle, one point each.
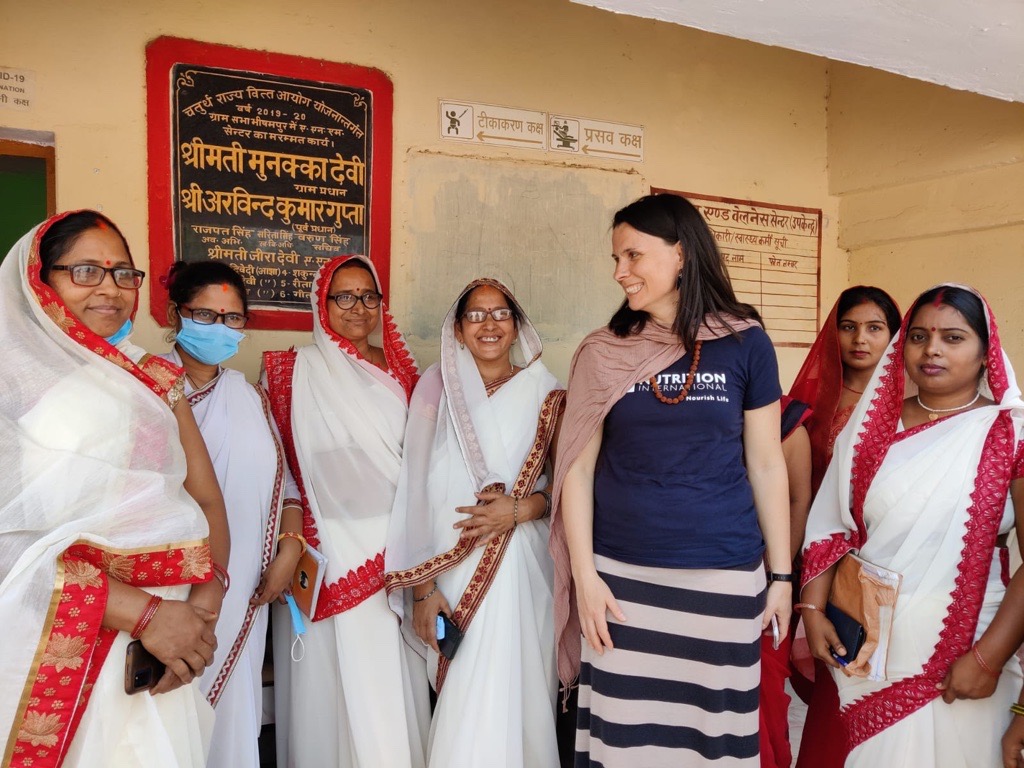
{"type": "Point", "coordinates": [981, 662]}
{"type": "Point", "coordinates": [146, 617]}
{"type": "Point", "coordinates": [222, 576]}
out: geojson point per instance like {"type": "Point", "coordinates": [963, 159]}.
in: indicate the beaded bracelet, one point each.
{"type": "Point", "coordinates": [812, 606]}
{"type": "Point", "coordinates": [221, 574]}
{"type": "Point", "coordinates": [982, 664]}
{"type": "Point", "coordinates": [1017, 709]}
{"type": "Point", "coordinates": [297, 536]}
{"type": "Point", "coordinates": [421, 599]}
{"type": "Point", "coordinates": [147, 616]}
{"type": "Point", "coordinates": [515, 513]}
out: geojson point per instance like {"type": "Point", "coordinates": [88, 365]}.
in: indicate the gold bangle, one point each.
{"type": "Point", "coordinates": [515, 513]}
{"type": "Point", "coordinates": [297, 536]}
{"type": "Point", "coordinates": [812, 606]}
{"type": "Point", "coordinates": [1017, 709]}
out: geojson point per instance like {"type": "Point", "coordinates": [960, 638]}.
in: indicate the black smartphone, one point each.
{"type": "Point", "coordinates": [851, 633]}
{"type": "Point", "coordinates": [448, 636]}
{"type": "Point", "coordinates": [142, 670]}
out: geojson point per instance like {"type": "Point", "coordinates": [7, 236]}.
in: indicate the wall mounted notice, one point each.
{"type": "Point", "coordinates": [489, 124]}
{"type": "Point", "coordinates": [579, 135]}
{"type": "Point", "coordinates": [773, 254]}
{"type": "Point", "coordinates": [17, 88]}
{"type": "Point", "coordinates": [270, 172]}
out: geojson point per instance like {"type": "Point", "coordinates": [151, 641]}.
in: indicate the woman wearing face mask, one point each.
{"type": "Point", "coordinates": [341, 403]}
{"type": "Point", "coordinates": [107, 497]}
{"type": "Point", "coordinates": [208, 309]}
{"type": "Point", "coordinates": [928, 484]}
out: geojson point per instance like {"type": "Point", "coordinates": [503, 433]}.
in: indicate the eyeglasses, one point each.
{"type": "Point", "coordinates": [370, 300]}
{"type": "Point", "coordinates": [93, 274]}
{"type": "Point", "coordinates": [479, 315]}
{"type": "Point", "coordinates": [209, 317]}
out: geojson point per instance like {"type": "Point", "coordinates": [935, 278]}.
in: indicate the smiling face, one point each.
{"type": "Point", "coordinates": [943, 354]}
{"type": "Point", "coordinates": [863, 336]}
{"type": "Point", "coordinates": [646, 267]}
{"type": "Point", "coordinates": [491, 340]}
{"type": "Point", "coordinates": [103, 308]}
{"type": "Point", "coordinates": [355, 324]}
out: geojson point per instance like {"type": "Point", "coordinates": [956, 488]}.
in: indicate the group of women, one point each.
{"type": "Point", "coordinates": [636, 533]}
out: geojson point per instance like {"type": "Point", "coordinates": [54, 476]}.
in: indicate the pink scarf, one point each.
{"type": "Point", "coordinates": [604, 367]}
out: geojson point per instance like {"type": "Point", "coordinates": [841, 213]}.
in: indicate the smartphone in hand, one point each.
{"type": "Point", "coordinates": [448, 636]}
{"type": "Point", "coordinates": [142, 670]}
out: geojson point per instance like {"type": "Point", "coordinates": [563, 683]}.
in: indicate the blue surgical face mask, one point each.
{"type": "Point", "coordinates": [122, 333]}
{"type": "Point", "coordinates": [210, 344]}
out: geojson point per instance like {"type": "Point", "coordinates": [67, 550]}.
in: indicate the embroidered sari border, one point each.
{"type": "Point", "coordinates": [266, 555]}
{"type": "Point", "coordinates": [490, 561]}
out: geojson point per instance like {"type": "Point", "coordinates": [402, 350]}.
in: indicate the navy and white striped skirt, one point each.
{"type": "Point", "coordinates": [680, 688]}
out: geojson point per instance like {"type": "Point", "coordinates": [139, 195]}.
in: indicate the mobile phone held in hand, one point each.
{"type": "Point", "coordinates": [776, 640]}
{"type": "Point", "coordinates": [142, 670]}
{"type": "Point", "coordinates": [448, 636]}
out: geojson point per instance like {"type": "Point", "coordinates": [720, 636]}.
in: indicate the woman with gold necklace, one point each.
{"type": "Point", "coordinates": [927, 484]}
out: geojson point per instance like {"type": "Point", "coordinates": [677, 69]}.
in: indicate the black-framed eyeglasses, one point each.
{"type": "Point", "coordinates": [370, 300]}
{"type": "Point", "coordinates": [479, 315]}
{"type": "Point", "coordinates": [209, 317]}
{"type": "Point", "coordinates": [90, 275]}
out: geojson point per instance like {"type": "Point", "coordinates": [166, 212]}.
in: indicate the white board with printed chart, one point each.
{"type": "Point", "coordinates": [773, 254]}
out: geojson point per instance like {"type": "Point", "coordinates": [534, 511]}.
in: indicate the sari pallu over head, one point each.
{"type": "Point", "coordinates": [974, 449]}
{"type": "Point", "coordinates": [604, 367]}
{"type": "Point", "coordinates": [92, 470]}
{"type": "Point", "coordinates": [342, 421]}
{"type": "Point", "coordinates": [460, 441]}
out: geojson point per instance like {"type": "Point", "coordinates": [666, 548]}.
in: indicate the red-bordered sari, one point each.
{"type": "Point", "coordinates": [928, 502]}
{"type": "Point", "coordinates": [92, 469]}
{"type": "Point", "coordinates": [351, 701]}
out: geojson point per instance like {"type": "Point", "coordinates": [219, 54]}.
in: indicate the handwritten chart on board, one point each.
{"type": "Point", "coordinates": [773, 254]}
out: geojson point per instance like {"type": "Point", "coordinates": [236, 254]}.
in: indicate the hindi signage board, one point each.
{"type": "Point", "coordinates": [773, 255]}
{"type": "Point", "coordinates": [272, 164]}
{"type": "Point", "coordinates": [489, 124]}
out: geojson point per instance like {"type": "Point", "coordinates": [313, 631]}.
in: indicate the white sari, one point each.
{"type": "Point", "coordinates": [928, 502]}
{"type": "Point", "coordinates": [235, 421]}
{"type": "Point", "coordinates": [92, 469]}
{"type": "Point", "coordinates": [496, 699]}
{"type": "Point", "coordinates": [352, 700]}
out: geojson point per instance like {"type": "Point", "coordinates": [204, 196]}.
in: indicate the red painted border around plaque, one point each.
{"type": "Point", "coordinates": [163, 53]}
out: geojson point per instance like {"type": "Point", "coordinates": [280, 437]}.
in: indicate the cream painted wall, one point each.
{"type": "Point", "coordinates": [722, 116]}
{"type": "Point", "coordinates": [931, 184]}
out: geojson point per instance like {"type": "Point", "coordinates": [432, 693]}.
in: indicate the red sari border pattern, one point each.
{"type": "Point", "coordinates": [360, 583]}
{"type": "Point", "coordinates": [73, 645]}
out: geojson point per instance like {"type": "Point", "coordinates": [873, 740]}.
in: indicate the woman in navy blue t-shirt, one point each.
{"type": "Point", "coordinates": [672, 491]}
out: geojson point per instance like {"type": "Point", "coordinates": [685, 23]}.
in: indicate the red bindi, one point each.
{"type": "Point", "coordinates": [107, 262]}
{"type": "Point", "coordinates": [933, 329]}
{"type": "Point", "coordinates": [224, 287]}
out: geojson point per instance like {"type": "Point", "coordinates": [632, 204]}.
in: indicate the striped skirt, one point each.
{"type": "Point", "coordinates": [680, 688]}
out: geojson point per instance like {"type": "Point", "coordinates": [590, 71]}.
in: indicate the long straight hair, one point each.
{"type": "Point", "coordinates": [704, 285]}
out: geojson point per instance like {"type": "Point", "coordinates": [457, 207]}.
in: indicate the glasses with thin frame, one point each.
{"type": "Point", "coordinates": [479, 315]}
{"type": "Point", "coordinates": [91, 275]}
{"type": "Point", "coordinates": [370, 299]}
{"type": "Point", "coordinates": [209, 317]}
